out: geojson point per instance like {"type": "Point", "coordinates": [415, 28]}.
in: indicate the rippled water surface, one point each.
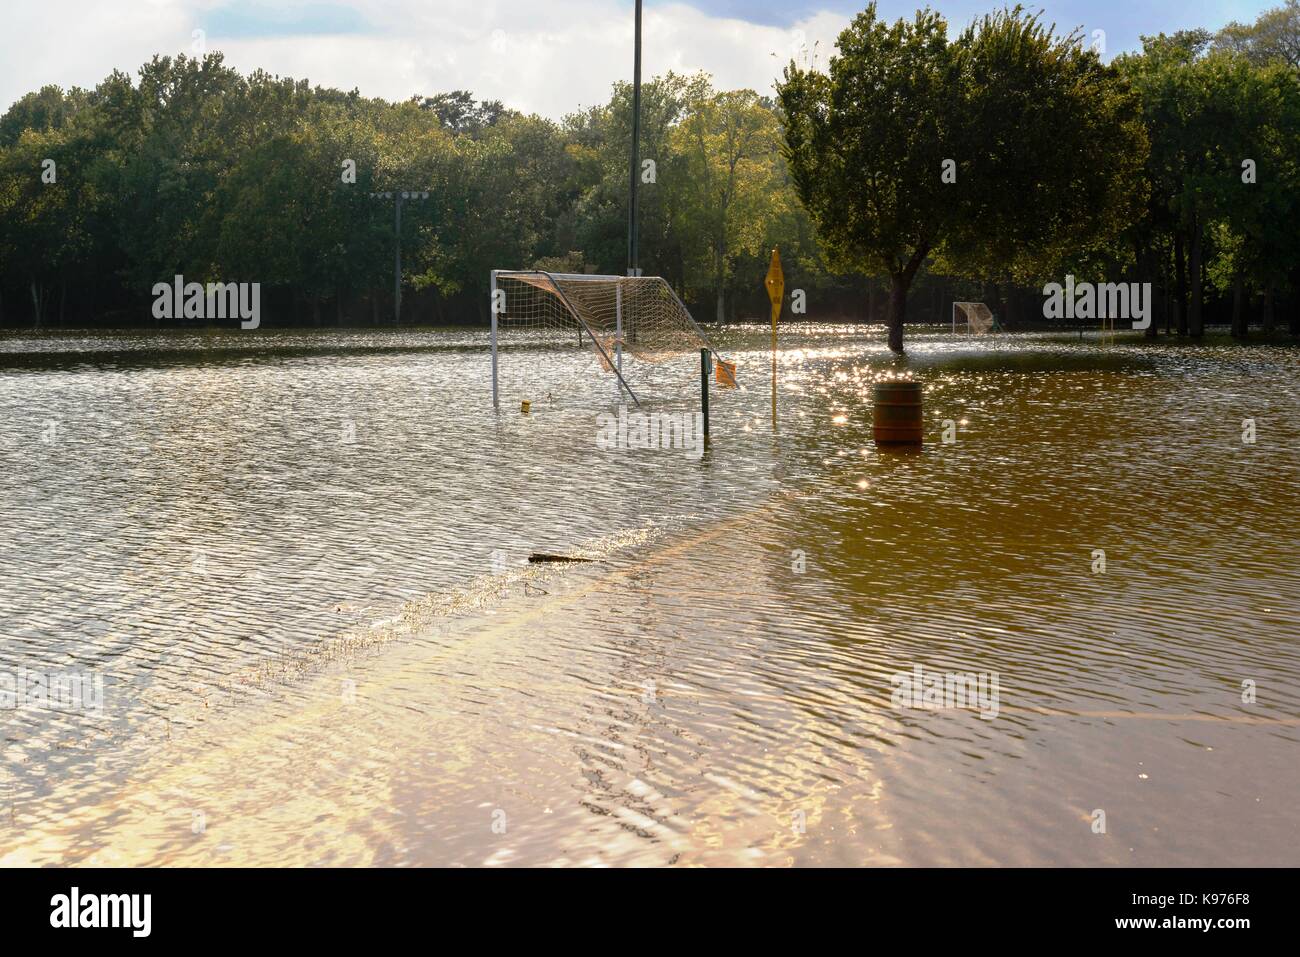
{"type": "Point", "coordinates": [298, 566]}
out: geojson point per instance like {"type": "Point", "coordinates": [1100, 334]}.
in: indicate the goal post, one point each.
{"type": "Point", "coordinates": [640, 316]}
{"type": "Point", "coordinates": [973, 317]}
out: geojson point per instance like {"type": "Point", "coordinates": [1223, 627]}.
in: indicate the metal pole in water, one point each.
{"type": "Point", "coordinates": [775, 283]}
{"type": "Point", "coordinates": [492, 308]}
{"type": "Point", "coordinates": [618, 335]}
{"type": "Point", "coordinates": [704, 389]}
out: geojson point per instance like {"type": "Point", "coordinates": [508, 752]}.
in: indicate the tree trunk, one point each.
{"type": "Point", "coordinates": [1195, 308]}
{"type": "Point", "coordinates": [871, 302]}
{"type": "Point", "coordinates": [36, 305]}
{"type": "Point", "coordinates": [1147, 274]}
{"type": "Point", "coordinates": [719, 273]}
{"type": "Point", "coordinates": [898, 283]}
{"type": "Point", "coordinates": [1269, 318]}
{"type": "Point", "coordinates": [1180, 270]}
{"type": "Point", "coordinates": [1293, 303]}
{"type": "Point", "coordinates": [1239, 320]}
{"type": "Point", "coordinates": [1170, 298]}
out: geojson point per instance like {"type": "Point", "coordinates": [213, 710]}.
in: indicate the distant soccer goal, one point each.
{"type": "Point", "coordinates": [974, 318]}
{"type": "Point", "coordinates": [639, 316]}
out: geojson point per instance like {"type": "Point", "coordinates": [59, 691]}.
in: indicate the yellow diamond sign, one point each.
{"type": "Point", "coordinates": [775, 283]}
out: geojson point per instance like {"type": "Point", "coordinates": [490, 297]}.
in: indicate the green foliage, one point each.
{"type": "Point", "coordinates": [1051, 155]}
{"type": "Point", "coordinates": [1212, 108]}
{"type": "Point", "coordinates": [868, 142]}
{"type": "Point", "coordinates": [600, 145]}
{"type": "Point", "coordinates": [731, 192]}
{"type": "Point", "coordinates": [46, 109]}
{"type": "Point", "coordinates": [1273, 38]}
{"type": "Point", "coordinates": [195, 169]}
{"type": "Point", "coordinates": [1062, 164]}
{"type": "Point", "coordinates": [458, 113]}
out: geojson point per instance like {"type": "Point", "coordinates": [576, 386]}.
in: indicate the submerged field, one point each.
{"type": "Point", "coordinates": [297, 564]}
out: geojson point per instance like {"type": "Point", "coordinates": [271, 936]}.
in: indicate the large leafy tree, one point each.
{"type": "Point", "coordinates": [1273, 257]}
{"type": "Point", "coordinates": [1259, 110]}
{"type": "Point", "coordinates": [458, 111]}
{"type": "Point", "coordinates": [1049, 152]}
{"type": "Point", "coordinates": [868, 142]}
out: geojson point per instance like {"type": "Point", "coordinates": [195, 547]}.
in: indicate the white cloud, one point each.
{"type": "Point", "coordinates": [545, 57]}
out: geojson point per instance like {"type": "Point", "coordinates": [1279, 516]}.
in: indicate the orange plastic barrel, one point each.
{"type": "Point", "coordinates": [897, 419]}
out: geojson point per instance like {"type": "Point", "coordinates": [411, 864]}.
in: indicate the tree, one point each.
{"type": "Point", "coordinates": [869, 143]}
{"type": "Point", "coordinates": [1251, 183]}
{"type": "Point", "coordinates": [47, 227]}
{"type": "Point", "coordinates": [599, 141]}
{"type": "Point", "coordinates": [866, 143]}
{"type": "Point", "coordinates": [728, 191]}
{"type": "Point", "coordinates": [46, 109]}
{"type": "Point", "coordinates": [1224, 131]}
{"type": "Point", "coordinates": [1167, 112]}
{"type": "Point", "coordinates": [1273, 38]}
{"type": "Point", "coordinates": [459, 113]}
{"type": "Point", "coordinates": [1049, 152]}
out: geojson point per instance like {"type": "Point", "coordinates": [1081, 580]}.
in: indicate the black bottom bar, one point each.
{"type": "Point", "coordinates": [334, 907]}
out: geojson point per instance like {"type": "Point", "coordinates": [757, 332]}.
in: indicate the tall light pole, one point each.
{"type": "Point", "coordinates": [403, 196]}
{"type": "Point", "coordinates": [632, 269]}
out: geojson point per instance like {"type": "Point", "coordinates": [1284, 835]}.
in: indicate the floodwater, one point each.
{"type": "Point", "coordinates": [295, 567]}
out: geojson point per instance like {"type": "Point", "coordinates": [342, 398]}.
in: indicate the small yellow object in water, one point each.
{"type": "Point", "coordinates": [525, 406]}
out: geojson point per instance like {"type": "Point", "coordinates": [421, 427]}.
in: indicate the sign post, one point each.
{"type": "Point", "coordinates": [775, 283]}
{"type": "Point", "coordinates": [706, 366]}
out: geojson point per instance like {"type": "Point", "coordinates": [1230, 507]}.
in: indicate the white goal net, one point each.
{"type": "Point", "coordinates": [972, 317]}
{"type": "Point", "coordinates": [640, 316]}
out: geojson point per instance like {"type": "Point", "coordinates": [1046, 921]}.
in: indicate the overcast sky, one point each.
{"type": "Point", "coordinates": [547, 56]}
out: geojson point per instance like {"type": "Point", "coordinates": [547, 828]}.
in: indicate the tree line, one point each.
{"type": "Point", "coordinates": [198, 170]}
{"type": "Point", "coordinates": [908, 170]}
{"type": "Point", "coordinates": [1175, 166]}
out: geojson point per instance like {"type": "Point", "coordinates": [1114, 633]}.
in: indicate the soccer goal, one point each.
{"type": "Point", "coordinates": [640, 316]}
{"type": "Point", "coordinates": [973, 317]}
